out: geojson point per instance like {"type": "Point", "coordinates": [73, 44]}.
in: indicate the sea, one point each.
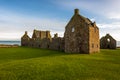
{"type": "Point", "coordinates": [19, 43]}
{"type": "Point", "coordinates": [11, 42]}
{"type": "Point", "coordinates": [118, 43]}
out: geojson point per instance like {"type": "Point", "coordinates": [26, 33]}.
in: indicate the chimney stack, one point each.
{"type": "Point", "coordinates": [76, 11]}
{"type": "Point", "coordinates": [25, 32]}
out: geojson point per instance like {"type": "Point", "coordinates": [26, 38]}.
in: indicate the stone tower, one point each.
{"type": "Point", "coordinates": [81, 35]}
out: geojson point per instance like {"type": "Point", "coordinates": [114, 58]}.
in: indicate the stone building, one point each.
{"type": "Point", "coordinates": [107, 42]}
{"type": "Point", "coordinates": [81, 36]}
{"type": "Point", "coordinates": [25, 39]}
{"type": "Point", "coordinates": [43, 39]}
{"type": "Point", "coordinates": [40, 39]}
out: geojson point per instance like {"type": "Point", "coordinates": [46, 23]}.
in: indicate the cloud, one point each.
{"type": "Point", "coordinates": [111, 28]}
{"type": "Point", "coordinates": [113, 25]}
{"type": "Point", "coordinates": [107, 8]}
{"type": "Point", "coordinates": [10, 35]}
{"type": "Point", "coordinates": [114, 15]}
{"type": "Point", "coordinates": [93, 20]}
{"type": "Point", "coordinates": [12, 26]}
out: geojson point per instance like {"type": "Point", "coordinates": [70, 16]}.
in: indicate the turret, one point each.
{"type": "Point", "coordinates": [25, 32]}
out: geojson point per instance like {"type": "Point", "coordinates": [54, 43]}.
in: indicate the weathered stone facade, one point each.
{"type": "Point", "coordinates": [25, 40]}
{"type": "Point", "coordinates": [107, 42]}
{"type": "Point", "coordinates": [43, 39]}
{"type": "Point", "coordinates": [81, 36]}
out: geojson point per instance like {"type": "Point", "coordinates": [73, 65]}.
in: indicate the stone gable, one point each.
{"type": "Point", "coordinates": [107, 42]}
{"type": "Point", "coordinates": [81, 35]}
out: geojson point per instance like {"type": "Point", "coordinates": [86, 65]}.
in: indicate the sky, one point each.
{"type": "Point", "coordinates": [18, 16]}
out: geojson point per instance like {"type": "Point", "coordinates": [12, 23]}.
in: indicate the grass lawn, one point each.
{"type": "Point", "coordinates": [39, 64]}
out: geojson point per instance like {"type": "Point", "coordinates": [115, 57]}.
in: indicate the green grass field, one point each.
{"type": "Point", "coordinates": [39, 64]}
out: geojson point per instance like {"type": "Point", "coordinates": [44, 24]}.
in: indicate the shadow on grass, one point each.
{"type": "Point", "coordinates": [27, 53]}
{"type": "Point", "coordinates": [19, 53]}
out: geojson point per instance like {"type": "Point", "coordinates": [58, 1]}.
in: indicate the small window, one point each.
{"type": "Point", "coordinates": [73, 29]}
{"type": "Point", "coordinates": [92, 45]}
{"type": "Point", "coordinates": [108, 40]}
{"type": "Point", "coordinates": [97, 45]}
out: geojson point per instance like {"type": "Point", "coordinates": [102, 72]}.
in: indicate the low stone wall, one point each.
{"type": "Point", "coordinates": [7, 46]}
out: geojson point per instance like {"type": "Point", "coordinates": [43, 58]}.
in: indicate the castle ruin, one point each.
{"type": "Point", "coordinates": [43, 39]}
{"type": "Point", "coordinates": [81, 36]}
{"type": "Point", "coordinates": [107, 42]}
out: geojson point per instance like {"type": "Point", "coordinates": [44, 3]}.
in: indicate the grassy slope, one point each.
{"type": "Point", "coordinates": [39, 64]}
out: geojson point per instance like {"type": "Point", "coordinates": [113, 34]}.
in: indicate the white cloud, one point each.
{"type": "Point", "coordinates": [111, 28]}
{"type": "Point", "coordinates": [114, 15]}
{"type": "Point", "coordinates": [93, 20]}
{"type": "Point", "coordinates": [107, 8]}
{"type": "Point", "coordinates": [10, 36]}
{"type": "Point", "coordinates": [12, 26]}
{"type": "Point", "coordinates": [113, 25]}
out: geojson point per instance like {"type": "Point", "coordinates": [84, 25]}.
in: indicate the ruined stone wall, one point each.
{"type": "Point", "coordinates": [57, 44]}
{"type": "Point", "coordinates": [25, 42]}
{"type": "Point", "coordinates": [62, 44]}
{"type": "Point", "coordinates": [35, 42]}
{"type": "Point", "coordinates": [45, 43]}
{"type": "Point", "coordinates": [45, 34]}
{"type": "Point", "coordinates": [42, 39]}
{"type": "Point", "coordinates": [39, 39]}
{"type": "Point", "coordinates": [107, 42]}
{"type": "Point", "coordinates": [41, 34]}
{"type": "Point", "coordinates": [94, 39]}
{"type": "Point", "coordinates": [32, 43]}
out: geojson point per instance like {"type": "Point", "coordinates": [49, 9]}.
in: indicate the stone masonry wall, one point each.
{"type": "Point", "coordinates": [107, 42]}
{"type": "Point", "coordinates": [94, 39]}
{"type": "Point", "coordinates": [76, 41]}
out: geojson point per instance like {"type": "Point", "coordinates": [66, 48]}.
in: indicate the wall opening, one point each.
{"type": "Point", "coordinates": [108, 40]}
{"type": "Point", "coordinates": [108, 46]}
{"type": "Point", "coordinates": [73, 29]}
{"type": "Point", "coordinates": [59, 47]}
{"type": "Point", "coordinates": [92, 45]}
{"type": "Point", "coordinates": [48, 46]}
